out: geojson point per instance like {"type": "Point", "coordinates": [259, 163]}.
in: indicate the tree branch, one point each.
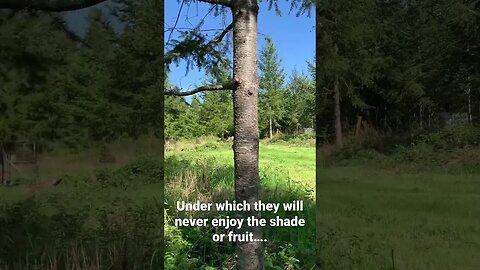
{"type": "Point", "coordinates": [48, 5]}
{"type": "Point", "coordinates": [226, 3]}
{"type": "Point", "coordinates": [220, 37]}
{"type": "Point", "coordinates": [176, 92]}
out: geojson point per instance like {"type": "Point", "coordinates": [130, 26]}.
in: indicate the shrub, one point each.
{"type": "Point", "coordinates": [452, 137]}
{"type": "Point", "coordinates": [145, 170]}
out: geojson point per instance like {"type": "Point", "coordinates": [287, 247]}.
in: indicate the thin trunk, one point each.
{"type": "Point", "coordinates": [469, 105]}
{"type": "Point", "coordinates": [421, 116]}
{"type": "Point", "coordinates": [338, 117]}
{"type": "Point", "coordinates": [245, 146]}
{"type": "Point", "coordinates": [358, 126]}
{"type": "Point", "coordinates": [270, 124]}
{"type": "Point", "coordinates": [2, 164]}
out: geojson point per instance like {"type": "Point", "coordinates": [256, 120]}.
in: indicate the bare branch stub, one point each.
{"type": "Point", "coordinates": [197, 90]}
{"type": "Point", "coordinates": [226, 3]}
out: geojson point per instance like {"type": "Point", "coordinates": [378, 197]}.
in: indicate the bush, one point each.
{"type": "Point", "coordinates": [145, 170]}
{"type": "Point", "coordinates": [297, 139]}
{"type": "Point", "coordinates": [417, 153]}
{"type": "Point", "coordinates": [443, 147]}
{"type": "Point", "coordinates": [459, 136]}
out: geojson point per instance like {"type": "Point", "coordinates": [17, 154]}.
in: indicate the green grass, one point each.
{"type": "Point", "coordinates": [369, 215]}
{"type": "Point", "coordinates": [297, 161]}
{"type": "Point", "coordinates": [373, 217]}
{"type": "Point", "coordinates": [425, 220]}
{"type": "Point", "coordinates": [205, 172]}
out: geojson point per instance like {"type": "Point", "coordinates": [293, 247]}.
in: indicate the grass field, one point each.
{"type": "Point", "coordinates": [287, 173]}
{"type": "Point", "coordinates": [369, 216]}
{"type": "Point", "coordinates": [297, 161]}
{"type": "Point", "coordinates": [104, 214]}
{"type": "Point", "coordinates": [372, 218]}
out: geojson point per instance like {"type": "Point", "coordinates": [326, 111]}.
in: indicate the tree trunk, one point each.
{"type": "Point", "coordinates": [338, 116]}
{"type": "Point", "coordinates": [338, 119]}
{"type": "Point", "coordinates": [270, 125]}
{"type": "Point", "coordinates": [245, 146]}
{"type": "Point", "coordinates": [469, 91]}
{"type": "Point", "coordinates": [421, 116]}
{"type": "Point", "coordinates": [2, 164]}
{"type": "Point", "coordinates": [358, 126]}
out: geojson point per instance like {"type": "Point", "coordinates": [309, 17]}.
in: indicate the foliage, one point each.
{"type": "Point", "coordinates": [451, 149]}
{"type": "Point", "coordinates": [57, 87]}
{"type": "Point", "coordinates": [271, 81]}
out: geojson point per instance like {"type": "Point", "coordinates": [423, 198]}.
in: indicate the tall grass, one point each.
{"type": "Point", "coordinates": [411, 205]}
{"type": "Point", "coordinates": [206, 173]}
{"type": "Point", "coordinates": [102, 215]}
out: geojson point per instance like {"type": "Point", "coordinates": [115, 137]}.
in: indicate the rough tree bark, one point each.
{"type": "Point", "coordinates": [245, 146]}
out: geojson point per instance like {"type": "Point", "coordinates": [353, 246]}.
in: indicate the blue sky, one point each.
{"type": "Point", "coordinates": [294, 37]}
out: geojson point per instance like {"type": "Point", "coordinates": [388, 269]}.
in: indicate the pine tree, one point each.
{"type": "Point", "coordinates": [271, 82]}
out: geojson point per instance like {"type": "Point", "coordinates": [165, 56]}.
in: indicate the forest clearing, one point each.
{"type": "Point", "coordinates": [393, 204]}
{"type": "Point", "coordinates": [372, 212]}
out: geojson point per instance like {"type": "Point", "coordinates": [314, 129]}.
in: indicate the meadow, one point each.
{"type": "Point", "coordinates": [203, 170]}
{"type": "Point", "coordinates": [415, 208]}
{"type": "Point", "coordinates": [375, 218]}
{"type": "Point", "coordinates": [103, 213]}
{"type": "Point", "coordinates": [373, 211]}
{"type": "Point", "coordinates": [410, 202]}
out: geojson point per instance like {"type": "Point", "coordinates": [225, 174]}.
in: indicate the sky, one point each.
{"type": "Point", "coordinates": [77, 20]}
{"type": "Point", "coordinates": [294, 37]}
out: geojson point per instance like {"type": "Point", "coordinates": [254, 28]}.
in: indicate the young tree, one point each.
{"type": "Point", "coordinates": [217, 107]}
{"type": "Point", "coordinates": [271, 81]}
{"type": "Point", "coordinates": [245, 104]}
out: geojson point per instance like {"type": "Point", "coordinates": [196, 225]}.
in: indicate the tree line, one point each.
{"type": "Point", "coordinates": [398, 65]}
{"type": "Point", "coordinates": [57, 86]}
{"type": "Point", "coordinates": [286, 104]}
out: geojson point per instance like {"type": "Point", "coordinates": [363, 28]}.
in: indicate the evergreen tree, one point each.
{"type": "Point", "coordinates": [300, 102]}
{"type": "Point", "coordinates": [346, 55]}
{"type": "Point", "coordinates": [271, 82]}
